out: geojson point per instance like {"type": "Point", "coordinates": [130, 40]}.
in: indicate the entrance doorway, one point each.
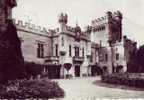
{"type": "Point", "coordinates": [77, 71]}
{"type": "Point", "coordinates": [53, 71]}
{"type": "Point", "coordinates": [96, 70]}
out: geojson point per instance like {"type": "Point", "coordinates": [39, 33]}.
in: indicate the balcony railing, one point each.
{"type": "Point", "coordinates": [52, 59]}
{"type": "Point", "coordinates": [78, 59]}
{"type": "Point", "coordinates": [62, 51]}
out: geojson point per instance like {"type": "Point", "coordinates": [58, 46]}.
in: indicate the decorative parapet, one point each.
{"type": "Point", "coordinates": [72, 31]}
{"type": "Point", "coordinates": [111, 23]}
{"type": "Point", "coordinates": [99, 24]}
{"type": "Point", "coordinates": [25, 26]}
{"type": "Point", "coordinates": [98, 21]}
{"type": "Point", "coordinates": [78, 59]}
{"type": "Point", "coordinates": [51, 58]}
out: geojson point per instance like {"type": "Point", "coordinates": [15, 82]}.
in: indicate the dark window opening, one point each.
{"type": "Point", "coordinates": [83, 52]}
{"type": "Point", "coordinates": [62, 41]}
{"type": "Point", "coordinates": [106, 57]}
{"type": "Point", "coordinates": [56, 49]}
{"type": "Point", "coordinates": [117, 56]}
{"type": "Point", "coordinates": [76, 51]}
{"type": "Point", "coordinates": [40, 50]}
{"type": "Point", "coordinates": [70, 50]}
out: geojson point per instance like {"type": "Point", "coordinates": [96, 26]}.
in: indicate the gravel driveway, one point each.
{"type": "Point", "coordinates": [85, 89]}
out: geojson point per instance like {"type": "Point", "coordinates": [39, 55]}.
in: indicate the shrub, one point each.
{"type": "Point", "coordinates": [129, 79]}
{"type": "Point", "coordinates": [32, 69]}
{"type": "Point", "coordinates": [31, 89]}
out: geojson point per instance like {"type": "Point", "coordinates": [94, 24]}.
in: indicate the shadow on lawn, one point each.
{"type": "Point", "coordinates": [116, 86]}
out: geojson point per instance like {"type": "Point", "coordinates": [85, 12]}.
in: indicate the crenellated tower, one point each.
{"type": "Point", "coordinates": [63, 19]}
{"type": "Point", "coordinates": [114, 26]}
{"type": "Point", "coordinates": [107, 32]}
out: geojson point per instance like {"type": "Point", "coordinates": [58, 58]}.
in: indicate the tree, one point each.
{"type": "Point", "coordinates": [140, 58]}
{"type": "Point", "coordinates": [11, 59]}
{"type": "Point", "coordinates": [136, 63]}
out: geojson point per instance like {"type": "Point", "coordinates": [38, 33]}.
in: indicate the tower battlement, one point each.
{"type": "Point", "coordinates": [30, 27]}
{"type": "Point", "coordinates": [109, 16]}
{"type": "Point", "coordinates": [63, 18]}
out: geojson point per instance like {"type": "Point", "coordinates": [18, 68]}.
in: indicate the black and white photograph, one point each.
{"type": "Point", "coordinates": [71, 49]}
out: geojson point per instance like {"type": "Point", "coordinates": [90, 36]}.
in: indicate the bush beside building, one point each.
{"type": "Point", "coordinates": [31, 89]}
{"type": "Point", "coordinates": [128, 79]}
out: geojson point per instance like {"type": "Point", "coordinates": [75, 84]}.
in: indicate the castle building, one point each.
{"type": "Point", "coordinates": [107, 32]}
{"type": "Point", "coordinates": [72, 51]}
{"type": "Point", "coordinates": [56, 49]}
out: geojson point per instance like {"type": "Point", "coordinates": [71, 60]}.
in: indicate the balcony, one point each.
{"type": "Point", "coordinates": [52, 59]}
{"type": "Point", "coordinates": [62, 51]}
{"type": "Point", "coordinates": [88, 56]}
{"type": "Point", "coordinates": [78, 59]}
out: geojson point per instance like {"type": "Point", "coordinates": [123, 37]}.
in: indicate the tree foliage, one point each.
{"type": "Point", "coordinates": [136, 63]}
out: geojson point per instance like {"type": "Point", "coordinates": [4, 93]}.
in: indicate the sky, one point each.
{"type": "Point", "coordinates": [45, 13]}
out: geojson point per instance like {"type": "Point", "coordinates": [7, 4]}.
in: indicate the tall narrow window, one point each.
{"type": "Point", "coordinates": [83, 52]}
{"type": "Point", "coordinates": [117, 56]}
{"type": "Point", "coordinates": [77, 51]}
{"type": "Point", "coordinates": [70, 50]}
{"type": "Point", "coordinates": [40, 50]}
{"type": "Point", "coordinates": [62, 41]}
{"type": "Point", "coordinates": [56, 49]}
{"type": "Point", "coordinates": [91, 58]}
{"type": "Point", "coordinates": [106, 57]}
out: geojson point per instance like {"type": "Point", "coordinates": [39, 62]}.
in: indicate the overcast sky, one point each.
{"type": "Point", "coordinates": [45, 13]}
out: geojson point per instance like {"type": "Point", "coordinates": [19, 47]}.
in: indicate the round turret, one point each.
{"type": "Point", "coordinates": [77, 29]}
{"type": "Point", "coordinates": [63, 18]}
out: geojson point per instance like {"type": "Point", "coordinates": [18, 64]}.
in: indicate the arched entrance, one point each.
{"type": "Point", "coordinates": [119, 68]}
{"type": "Point", "coordinates": [105, 69]}
{"type": "Point", "coordinates": [53, 71]}
{"type": "Point", "coordinates": [67, 66]}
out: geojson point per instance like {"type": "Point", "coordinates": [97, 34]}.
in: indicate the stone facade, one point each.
{"type": "Point", "coordinates": [31, 37]}
{"type": "Point", "coordinates": [74, 47]}
{"type": "Point", "coordinates": [71, 50]}
{"type": "Point", "coordinates": [64, 45]}
{"type": "Point", "coordinates": [107, 32]}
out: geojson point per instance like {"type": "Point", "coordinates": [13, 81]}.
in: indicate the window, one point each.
{"type": "Point", "coordinates": [40, 50]}
{"type": "Point", "coordinates": [77, 51]}
{"type": "Point", "coordinates": [70, 50]}
{"type": "Point", "coordinates": [91, 58]}
{"type": "Point", "coordinates": [62, 41]}
{"type": "Point", "coordinates": [83, 52]}
{"type": "Point", "coordinates": [56, 49]}
{"type": "Point", "coordinates": [117, 56]}
{"type": "Point", "coordinates": [106, 57]}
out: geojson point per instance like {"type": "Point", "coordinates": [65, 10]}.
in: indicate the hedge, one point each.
{"type": "Point", "coordinates": [31, 89]}
{"type": "Point", "coordinates": [128, 79]}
